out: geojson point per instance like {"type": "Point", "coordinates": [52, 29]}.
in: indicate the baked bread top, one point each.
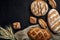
{"type": "Point", "coordinates": [54, 20]}
{"type": "Point", "coordinates": [39, 34]}
{"type": "Point", "coordinates": [39, 8]}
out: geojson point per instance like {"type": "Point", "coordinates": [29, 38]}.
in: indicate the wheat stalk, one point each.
{"type": "Point", "coordinates": [7, 33]}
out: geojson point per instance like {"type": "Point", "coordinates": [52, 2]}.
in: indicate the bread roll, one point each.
{"type": "Point", "coordinates": [54, 20]}
{"type": "Point", "coordinates": [42, 23]}
{"type": "Point", "coordinates": [39, 34]}
{"type": "Point", "coordinates": [16, 25]}
{"type": "Point", "coordinates": [52, 3]}
{"type": "Point", "coordinates": [33, 20]}
{"type": "Point", "coordinates": [39, 8]}
{"type": "Point", "coordinates": [46, 34]}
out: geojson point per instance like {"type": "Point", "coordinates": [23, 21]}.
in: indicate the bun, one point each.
{"type": "Point", "coordinates": [52, 3]}
{"type": "Point", "coordinates": [17, 25]}
{"type": "Point", "coordinates": [42, 23]}
{"type": "Point", "coordinates": [33, 20]}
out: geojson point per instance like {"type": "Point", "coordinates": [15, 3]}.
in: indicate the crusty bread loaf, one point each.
{"type": "Point", "coordinates": [54, 20]}
{"type": "Point", "coordinates": [39, 8]}
{"type": "Point", "coordinates": [47, 34]}
{"type": "Point", "coordinates": [52, 3]}
{"type": "Point", "coordinates": [33, 20]}
{"type": "Point", "coordinates": [42, 23]}
{"type": "Point", "coordinates": [39, 34]}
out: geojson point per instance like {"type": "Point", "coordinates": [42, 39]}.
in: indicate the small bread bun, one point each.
{"type": "Point", "coordinates": [39, 8]}
{"type": "Point", "coordinates": [38, 34]}
{"type": "Point", "coordinates": [52, 3]}
{"type": "Point", "coordinates": [54, 21]}
{"type": "Point", "coordinates": [33, 20]}
{"type": "Point", "coordinates": [16, 25]}
{"type": "Point", "coordinates": [42, 23]}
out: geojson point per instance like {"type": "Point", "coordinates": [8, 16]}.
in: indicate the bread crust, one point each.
{"type": "Point", "coordinates": [52, 3]}
{"type": "Point", "coordinates": [42, 23]}
{"type": "Point", "coordinates": [39, 8]}
{"type": "Point", "coordinates": [54, 21]}
{"type": "Point", "coordinates": [39, 34]}
{"type": "Point", "coordinates": [33, 20]}
{"type": "Point", "coordinates": [16, 25]}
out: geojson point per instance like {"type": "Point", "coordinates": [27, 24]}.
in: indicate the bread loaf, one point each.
{"type": "Point", "coordinates": [33, 20]}
{"type": "Point", "coordinates": [39, 34]}
{"type": "Point", "coordinates": [39, 8]}
{"type": "Point", "coordinates": [54, 20]}
{"type": "Point", "coordinates": [17, 25]}
{"type": "Point", "coordinates": [42, 23]}
{"type": "Point", "coordinates": [52, 3]}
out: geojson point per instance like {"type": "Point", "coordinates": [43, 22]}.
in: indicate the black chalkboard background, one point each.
{"type": "Point", "coordinates": [18, 10]}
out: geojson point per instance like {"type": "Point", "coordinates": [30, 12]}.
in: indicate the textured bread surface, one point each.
{"type": "Point", "coordinates": [39, 8]}
{"type": "Point", "coordinates": [54, 20]}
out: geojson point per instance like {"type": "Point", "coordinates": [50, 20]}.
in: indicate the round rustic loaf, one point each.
{"type": "Point", "coordinates": [39, 8]}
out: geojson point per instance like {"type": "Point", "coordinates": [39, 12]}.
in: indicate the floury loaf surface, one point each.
{"type": "Point", "coordinates": [54, 20]}
{"type": "Point", "coordinates": [39, 8]}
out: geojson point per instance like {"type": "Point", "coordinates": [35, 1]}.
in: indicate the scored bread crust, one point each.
{"type": "Point", "coordinates": [52, 13]}
{"type": "Point", "coordinates": [34, 32]}
{"type": "Point", "coordinates": [56, 27]}
{"type": "Point", "coordinates": [38, 34]}
{"type": "Point", "coordinates": [39, 8]}
{"type": "Point", "coordinates": [52, 3]}
{"type": "Point", "coordinates": [33, 20]}
{"type": "Point", "coordinates": [42, 23]}
{"type": "Point", "coordinates": [54, 21]}
{"type": "Point", "coordinates": [47, 34]}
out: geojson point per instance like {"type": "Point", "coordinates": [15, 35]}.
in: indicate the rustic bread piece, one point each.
{"type": "Point", "coordinates": [16, 25]}
{"type": "Point", "coordinates": [39, 34]}
{"type": "Point", "coordinates": [46, 34]}
{"type": "Point", "coordinates": [39, 8]}
{"type": "Point", "coordinates": [56, 26]}
{"type": "Point", "coordinates": [54, 20]}
{"type": "Point", "coordinates": [34, 33]}
{"type": "Point", "coordinates": [33, 20]}
{"type": "Point", "coordinates": [52, 3]}
{"type": "Point", "coordinates": [53, 15]}
{"type": "Point", "coordinates": [42, 23]}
